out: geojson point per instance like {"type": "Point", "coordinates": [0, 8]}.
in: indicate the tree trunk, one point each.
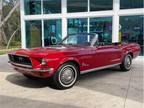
{"type": "Point", "coordinates": [0, 21]}
{"type": "Point", "coordinates": [9, 14]}
{"type": "Point", "coordinates": [3, 38]}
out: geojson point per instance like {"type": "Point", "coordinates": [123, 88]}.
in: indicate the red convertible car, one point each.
{"type": "Point", "coordinates": [75, 55]}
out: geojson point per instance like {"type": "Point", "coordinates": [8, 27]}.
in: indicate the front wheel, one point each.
{"type": "Point", "coordinates": [66, 76]}
{"type": "Point", "coordinates": [127, 62]}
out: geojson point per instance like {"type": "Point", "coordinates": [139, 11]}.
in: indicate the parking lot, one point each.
{"type": "Point", "coordinates": [109, 88]}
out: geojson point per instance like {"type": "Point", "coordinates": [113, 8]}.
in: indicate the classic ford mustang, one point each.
{"type": "Point", "coordinates": [75, 55]}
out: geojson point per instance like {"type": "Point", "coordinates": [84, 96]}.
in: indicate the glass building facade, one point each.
{"type": "Point", "coordinates": [103, 27]}
{"type": "Point", "coordinates": [77, 6]}
{"type": "Point", "coordinates": [32, 7]}
{"type": "Point", "coordinates": [77, 25]}
{"type": "Point", "coordinates": [115, 20]}
{"type": "Point", "coordinates": [33, 33]}
{"type": "Point", "coordinates": [99, 5]}
{"type": "Point", "coordinates": [132, 30]}
{"type": "Point", "coordinates": [51, 6]}
{"type": "Point", "coordinates": [52, 29]}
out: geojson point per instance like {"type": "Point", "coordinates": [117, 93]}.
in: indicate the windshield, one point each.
{"type": "Point", "coordinates": [80, 39]}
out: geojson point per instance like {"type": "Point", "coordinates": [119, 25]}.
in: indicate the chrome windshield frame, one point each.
{"type": "Point", "coordinates": [91, 44]}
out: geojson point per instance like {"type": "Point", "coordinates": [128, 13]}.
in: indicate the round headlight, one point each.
{"type": "Point", "coordinates": [43, 62]}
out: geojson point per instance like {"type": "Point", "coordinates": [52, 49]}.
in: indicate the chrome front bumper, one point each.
{"type": "Point", "coordinates": [34, 70]}
{"type": "Point", "coordinates": [27, 68]}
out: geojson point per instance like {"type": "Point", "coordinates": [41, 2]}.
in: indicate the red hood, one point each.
{"type": "Point", "coordinates": [45, 51]}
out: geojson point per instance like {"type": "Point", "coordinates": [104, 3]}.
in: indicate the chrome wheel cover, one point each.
{"type": "Point", "coordinates": [128, 62]}
{"type": "Point", "coordinates": [67, 76]}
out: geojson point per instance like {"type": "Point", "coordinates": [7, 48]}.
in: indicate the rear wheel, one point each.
{"type": "Point", "coordinates": [127, 62]}
{"type": "Point", "coordinates": [66, 76]}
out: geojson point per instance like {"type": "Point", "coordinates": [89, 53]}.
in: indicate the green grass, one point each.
{"type": "Point", "coordinates": [5, 51]}
{"type": "Point", "coordinates": [2, 52]}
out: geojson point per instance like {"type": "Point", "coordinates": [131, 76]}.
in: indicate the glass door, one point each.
{"type": "Point", "coordinates": [52, 32]}
{"type": "Point", "coordinates": [33, 34]}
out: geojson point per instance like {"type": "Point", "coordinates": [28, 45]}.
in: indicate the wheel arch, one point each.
{"type": "Point", "coordinates": [74, 61]}
{"type": "Point", "coordinates": [130, 53]}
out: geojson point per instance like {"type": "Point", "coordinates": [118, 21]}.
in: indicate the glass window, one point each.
{"type": "Point", "coordinates": [77, 5]}
{"type": "Point", "coordinates": [128, 4]}
{"type": "Point", "coordinates": [33, 34]}
{"type": "Point", "coordinates": [103, 27]}
{"type": "Point", "coordinates": [52, 32]}
{"type": "Point", "coordinates": [51, 6]}
{"type": "Point", "coordinates": [78, 25]}
{"type": "Point", "coordinates": [99, 5]}
{"type": "Point", "coordinates": [131, 30]}
{"type": "Point", "coordinates": [32, 7]}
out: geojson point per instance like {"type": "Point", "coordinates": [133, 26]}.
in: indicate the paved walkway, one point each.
{"type": "Point", "coordinates": [108, 88]}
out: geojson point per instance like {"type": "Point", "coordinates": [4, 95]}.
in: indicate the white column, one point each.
{"type": "Point", "coordinates": [64, 28]}
{"type": "Point", "coordinates": [88, 25]}
{"type": "Point", "coordinates": [23, 31]}
{"type": "Point", "coordinates": [115, 30]}
{"type": "Point", "coordinates": [42, 21]}
{"type": "Point", "coordinates": [64, 19]}
{"type": "Point", "coordinates": [88, 20]}
{"type": "Point", "coordinates": [42, 33]}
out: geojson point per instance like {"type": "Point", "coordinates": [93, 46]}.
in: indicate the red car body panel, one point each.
{"type": "Point", "coordinates": [86, 57]}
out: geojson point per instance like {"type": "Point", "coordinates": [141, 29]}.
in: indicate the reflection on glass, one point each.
{"type": "Point", "coordinates": [33, 34]}
{"type": "Point", "coordinates": [77, 6]}
{"type": "Point", "coordinates": [51, 6]}
{"type": "Point", "coordinates": [129, 4]}
{"type": "Point", "coordinates": [103, 27]}
{"type": "Point", "coordinates": [52, 32]}
{"type": "Point", "coordinates": [98, 5]}
{"type": "Point", "coordinates": [78, 25]}
{"type": "Point", "coordinates": [32, 7]}
{"type": "Point", "coordinates": [132, 29]}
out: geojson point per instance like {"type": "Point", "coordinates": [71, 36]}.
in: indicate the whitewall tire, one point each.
{"type": "Point", "coordinates": [66, 76]}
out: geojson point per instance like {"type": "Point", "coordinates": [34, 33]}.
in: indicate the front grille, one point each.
{"type": "Point", "coordinates": [20, 59]}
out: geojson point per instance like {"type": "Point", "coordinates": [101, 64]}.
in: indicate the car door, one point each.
{"type": "Point", "coordinates": [105, 55]}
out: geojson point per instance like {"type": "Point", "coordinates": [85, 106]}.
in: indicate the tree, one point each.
{"type": "Point", "coordinates": [9, 19]}
{"type": "Point", "coordinates": [10, 13]}
{"type": "Point", "coordinates": [0, 19]}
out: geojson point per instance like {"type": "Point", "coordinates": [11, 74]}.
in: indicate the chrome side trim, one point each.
{"type": "Point", "coordinates": [34, 70]}
{"type": "Point", "coordinates": [21, 65]}
{"type": "Point", "coordinates": [99, 68]}
{"type": "Point", "coordinates": [116, 60]}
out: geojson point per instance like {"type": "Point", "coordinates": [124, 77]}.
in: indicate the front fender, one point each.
{"type": "Point", "coordinates": [69, 59]}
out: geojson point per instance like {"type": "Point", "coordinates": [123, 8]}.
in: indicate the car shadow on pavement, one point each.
{"type": "Point", "coordinates": [20, 80]}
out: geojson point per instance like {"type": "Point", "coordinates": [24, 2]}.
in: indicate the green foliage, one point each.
{"type": "Point", "coordinates": [12, 24]}
{"type": "Point", "coordinates": [15, 43]}
{"type": "Point", "coordinates": [2, 52]}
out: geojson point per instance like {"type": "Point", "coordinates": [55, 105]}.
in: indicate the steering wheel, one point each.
{"type": "Point", "coordinates": [53, 40]}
